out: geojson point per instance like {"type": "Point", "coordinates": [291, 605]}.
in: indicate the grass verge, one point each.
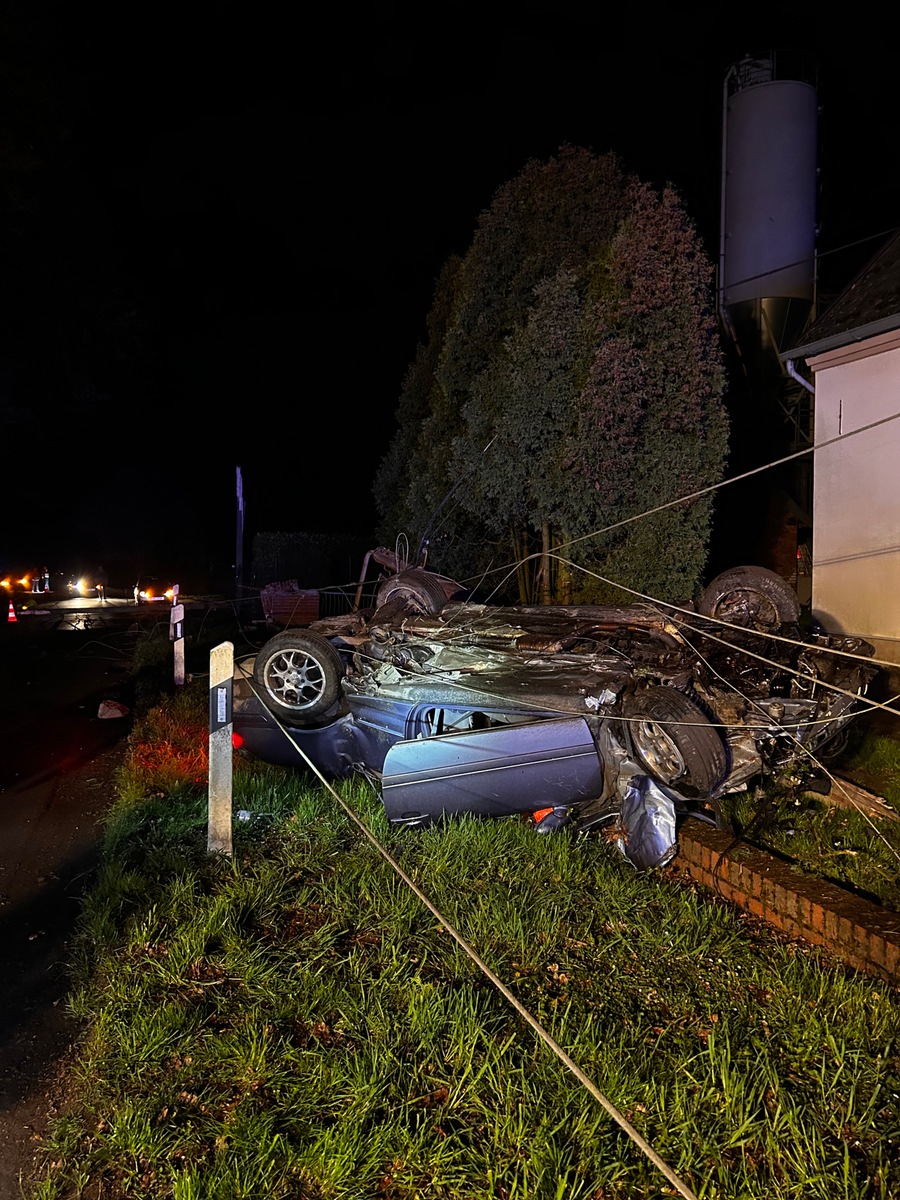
{"type": "Point", "coordinates": [292, 1023]}
{"type": "Point", "coordinates": [850, 848]}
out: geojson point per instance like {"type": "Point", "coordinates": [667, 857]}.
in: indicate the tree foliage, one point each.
{"type": "Point", "coordinates": [572, 380]}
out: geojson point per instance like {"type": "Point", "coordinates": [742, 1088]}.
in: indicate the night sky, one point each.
{"type": "Point", "coordinates": [221, 227]}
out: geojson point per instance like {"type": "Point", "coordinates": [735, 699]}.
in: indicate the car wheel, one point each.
{"type": "Point", "coordinates": [298, 676]}
{"type": "Point", "coordinates": [421, 591]}
{"type": "Point", "coordinates": [674, 741]}
{"type": "Point", "coordinates": [753, 597]}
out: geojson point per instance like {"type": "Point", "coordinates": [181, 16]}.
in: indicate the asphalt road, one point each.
{"type": "Point", "coordinates": [57, 764]}
{"type": "Point", "coordinates": [43, 611]}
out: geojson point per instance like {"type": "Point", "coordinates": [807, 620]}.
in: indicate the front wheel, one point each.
{"type": "Point", "coordinates": [675, 742]}
{"type": "Point", "coordinates": [298, 676]}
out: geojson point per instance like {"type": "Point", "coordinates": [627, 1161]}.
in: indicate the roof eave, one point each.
{"type": "Point", "coordinates": [848, 338]}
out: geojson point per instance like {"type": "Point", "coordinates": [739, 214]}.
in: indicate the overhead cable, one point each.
{"type": "Point", "coordinates": [620, 1119]}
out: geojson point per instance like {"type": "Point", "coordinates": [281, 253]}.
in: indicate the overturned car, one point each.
{"type": "Point", "coordinates": [629, 717]}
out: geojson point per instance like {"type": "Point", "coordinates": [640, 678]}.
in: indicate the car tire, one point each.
{"type": "Point", "coordinates": [298, 676]}
{"type": "Point", "coordinates": [420, 590]}
{"type": "Point", "coordinates": [752, 597]}
{"type": "Point", "coordinates": [675, 742]}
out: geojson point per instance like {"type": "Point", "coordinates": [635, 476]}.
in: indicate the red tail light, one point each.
{"type": "Point", "coordinates": [236, 740]}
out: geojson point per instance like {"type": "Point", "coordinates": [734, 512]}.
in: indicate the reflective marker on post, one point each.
{"type": "Point", "coordinates": [221, 684]}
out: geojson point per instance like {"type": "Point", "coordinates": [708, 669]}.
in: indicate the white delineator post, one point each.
{"type": "Point", "coordinates": [176, 635]}
{"type": "Point", "coordinates": [221, 726]}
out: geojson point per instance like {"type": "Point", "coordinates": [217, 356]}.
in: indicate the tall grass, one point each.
{"type": "Point", "coordinates": [850, 848]}
{"type": "Point", "coordinates": [293, 1023]}
{"type": "Point", "coordinates": [875, 760]}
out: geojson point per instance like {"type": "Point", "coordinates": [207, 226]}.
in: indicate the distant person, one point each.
{"type": "Point", "coordinates": [46, 578]}
{"type": "Point", "coordinates": [101, 583]}
{"type": "Point", "coordinates": [36, 580]}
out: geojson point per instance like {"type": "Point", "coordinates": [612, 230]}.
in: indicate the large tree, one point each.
{"type": "Point", "coordinates": [573, 381]}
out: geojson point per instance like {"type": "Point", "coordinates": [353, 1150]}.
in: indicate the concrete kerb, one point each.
{"type": "Point", "coordinates": [859, 932]}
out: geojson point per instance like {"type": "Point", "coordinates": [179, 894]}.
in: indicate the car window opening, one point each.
{"type": "Point", "coordinates": [438, 721]}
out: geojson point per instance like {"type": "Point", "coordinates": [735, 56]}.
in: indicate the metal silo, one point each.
{"type": "Point", "coordinates": [769, 184]}
{"type": "Point", "coordinates": [766, 293]}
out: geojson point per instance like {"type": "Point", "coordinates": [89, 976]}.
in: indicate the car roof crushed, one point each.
{"type": "Point", "coordinates": [681, 706]}
{"type": "Point", "coordinates": [580, 658]}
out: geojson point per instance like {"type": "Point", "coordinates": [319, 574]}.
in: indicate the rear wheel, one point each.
{"type": "Point", "coordinates": [752, 597]}
{"type": "Point", "coordinates": [421, 592]}
{"type": "Point", "coordinates": [675, 742]}
{"type": "Point", "coordinates": [298, 676]}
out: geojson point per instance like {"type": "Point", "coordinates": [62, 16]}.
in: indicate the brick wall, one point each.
{"type": "Point", "coordinates": [859, 932]}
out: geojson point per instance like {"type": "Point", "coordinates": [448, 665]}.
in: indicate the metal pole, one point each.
{"type": "Point", "coordinates": [221, 727]}
{"type": "Point", "coordinates": [239, 537]}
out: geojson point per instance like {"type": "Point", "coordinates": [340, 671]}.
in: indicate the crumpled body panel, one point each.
{"type": "Point", "coordinates": [623, 718]}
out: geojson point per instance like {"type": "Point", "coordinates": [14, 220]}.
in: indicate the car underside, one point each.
{"type": "Point", "coordinates": [577, 713]}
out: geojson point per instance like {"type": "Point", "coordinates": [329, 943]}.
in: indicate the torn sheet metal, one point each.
{"type": "Point", "coordinates": [647, 824]}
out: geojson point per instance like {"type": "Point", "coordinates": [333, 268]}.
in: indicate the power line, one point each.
{"type": "Point", "coordinates": [691, 496]}
{"type": "Point", "coordinates": [727, 482]}
{"type": "Point", "coordinates": [620, 1119]}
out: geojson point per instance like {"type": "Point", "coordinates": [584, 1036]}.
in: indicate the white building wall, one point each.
{"type": "Point", "coordinates": [856, 506]}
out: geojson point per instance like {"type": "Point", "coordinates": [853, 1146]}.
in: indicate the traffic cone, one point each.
{"type": "Point", "coordinates": [12, 614]}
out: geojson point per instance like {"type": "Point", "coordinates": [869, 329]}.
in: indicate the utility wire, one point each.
{"type": "Point", "coordinates": [498, 983]}
{"type": "Point", "coordinates": [613, 1112]}
{"type": "Point", "coordinates": [726, 482]}
{"type": "Point", "coordinates": [805, 261]}
{"type": "Point", "coordinates": [687, 499]}
{"type": "Point", "coordinates": [751, 653]}
{"type": "Point", "coordinates": [587, 1083]}
{"type": "Point", "coordinates": [803, 750]}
